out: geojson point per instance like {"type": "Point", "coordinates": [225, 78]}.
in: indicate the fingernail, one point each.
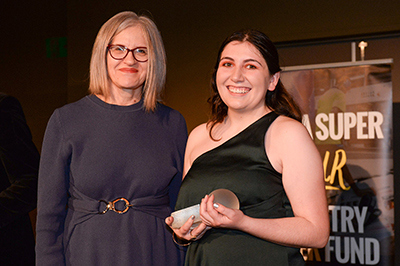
{"type": "Point", "coordinates": [192, 217]}
{"type": "Point", "coordinates": [216, 205]}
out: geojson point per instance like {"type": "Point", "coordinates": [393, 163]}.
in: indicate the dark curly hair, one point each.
{"type": "Point", "coordinates": [278, 100]}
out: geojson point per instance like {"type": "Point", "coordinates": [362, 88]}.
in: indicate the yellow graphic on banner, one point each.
{"type": "Point", "coordinates": [338, 162]}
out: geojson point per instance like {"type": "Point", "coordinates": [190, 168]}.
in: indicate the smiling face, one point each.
{"type": "Point", "coordinates": [243, 78]}
{"type": "Point", "coordinates": [127, 74]}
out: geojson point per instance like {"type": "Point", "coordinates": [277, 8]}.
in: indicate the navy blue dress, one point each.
{"type": "Point", "coordinates": [94, 153]}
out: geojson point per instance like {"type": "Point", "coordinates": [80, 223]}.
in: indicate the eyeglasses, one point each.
{"type": "Point", "coordinates": [119, 52]}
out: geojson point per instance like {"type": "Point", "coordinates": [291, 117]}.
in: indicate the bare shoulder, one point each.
{"type": "Point", "coordinates": [199, 129]}
{"type": "Point", "coordinates": [197, 143]}
{"type": "Point", "coordinates": [285, 132]}
{"type": "Point", "coordinates": [198, 134]}
{"type": "Point", "coordinates": [287, 140]}
{"type": "Point", "coordinates": [285, 127]}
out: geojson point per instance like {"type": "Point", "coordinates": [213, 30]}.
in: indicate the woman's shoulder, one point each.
{"type": "Point", "coordinates": [164, 109]}
{"type": "Point", "coordinates": [288, 132]}
{"type": "Point", "coordinates": [199, 132]}
{"type": "Point", "coordinates": [197, 144]}
{"type": "Point", "coordinates": [170, 115]}
{"type": "Point", "coordinates": [71, 112]}
{"type": "Point", "coordinates": [75, 106]}
{"type": "Point", "coordinates": [283, 141]}
{"type": "Point", "coordinates": [284, 124]}
{"type": "Point", "coordinates": [197, 136]}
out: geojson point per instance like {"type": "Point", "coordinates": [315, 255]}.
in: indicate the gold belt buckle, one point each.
{"type": "Point", "coordinates": [110, 205]}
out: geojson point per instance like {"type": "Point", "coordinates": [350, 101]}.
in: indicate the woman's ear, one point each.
{"type": "Point", "coordinates": [273, 81]}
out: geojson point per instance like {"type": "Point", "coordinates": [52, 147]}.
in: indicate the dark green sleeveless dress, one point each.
{"type": "Point", "coordinates": [242, 166]}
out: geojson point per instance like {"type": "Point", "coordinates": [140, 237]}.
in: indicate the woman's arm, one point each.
{"type": "Point", "coordinates": [179, 132]}
{"type": "Point", "coordinates": [52, 195]}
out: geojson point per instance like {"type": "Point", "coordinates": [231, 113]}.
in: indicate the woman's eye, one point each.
{"type": "Point", "coordinates": [226, 64]}
{"type": "Point", "coordinates": [251, 67]}
{"type": "Point", "coordinates": [141, 51]}
{"type": "Point", "coordinates": [119, 48]}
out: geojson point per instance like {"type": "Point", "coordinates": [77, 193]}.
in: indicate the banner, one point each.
{"type": "Point", "coordinates": [348, 112]}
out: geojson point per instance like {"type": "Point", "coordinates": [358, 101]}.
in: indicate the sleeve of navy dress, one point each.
{"type": "Point", "coordinates": [53, 173]}
{"type": "Point", "coordinates": [181, 138]}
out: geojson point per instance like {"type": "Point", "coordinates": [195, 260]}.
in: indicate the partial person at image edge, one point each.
{"type": "Point", "coordinates": [18, 184]}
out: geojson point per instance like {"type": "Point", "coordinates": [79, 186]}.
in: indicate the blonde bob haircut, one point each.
{"type": "Point", "coordinates": [156, 72]}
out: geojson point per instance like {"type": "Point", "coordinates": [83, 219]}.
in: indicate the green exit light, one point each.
{"type": "Point", "coordinates": [56, 47]}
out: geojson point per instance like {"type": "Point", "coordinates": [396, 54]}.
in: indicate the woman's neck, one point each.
{"type": "Point", "coordinates": [236, 122]}
{"type": "Point", "coordinates": [241, 120]}
{"type": "Point", "coordinates": [123, 97]}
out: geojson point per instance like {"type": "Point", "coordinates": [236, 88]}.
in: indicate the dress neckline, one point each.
{"type": "Point", "coordinates": [234, 137]}
{"type": "Point", "coordinates": [121, 108]}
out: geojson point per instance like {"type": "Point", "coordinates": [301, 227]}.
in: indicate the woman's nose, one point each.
{"type": "Point", "coordinates": [237, 75]}
{"type": "Point", "coordinates": [130, 59]}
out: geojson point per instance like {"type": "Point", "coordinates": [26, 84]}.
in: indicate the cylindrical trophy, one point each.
{"type": "Point", "coordinates": [222, 196]}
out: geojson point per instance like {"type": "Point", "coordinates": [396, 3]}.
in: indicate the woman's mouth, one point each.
{"type": "Point", "coordinates": [129, 70]}
{"type": "Point", "coordinates": [239, 90]}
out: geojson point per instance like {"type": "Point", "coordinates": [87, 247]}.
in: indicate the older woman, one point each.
{"type": "Point", "coordinates": [112, 161]}
{"type": "Point", "coordinates": [255, 146]}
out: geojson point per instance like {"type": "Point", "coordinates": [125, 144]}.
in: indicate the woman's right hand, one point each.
{"type": "Point", "coordinates": [184, 232]}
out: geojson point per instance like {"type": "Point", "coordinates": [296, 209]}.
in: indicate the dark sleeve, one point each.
{"type": "Point", "coordinates": [52, 195]}
{"type": "Point", "coordinates": [19, 163]}
{"type": "Point", "coordinates": [181, 135]}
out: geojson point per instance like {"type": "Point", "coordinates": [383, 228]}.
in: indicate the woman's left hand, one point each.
{"type": "Point", "coordinates": [217, 215]}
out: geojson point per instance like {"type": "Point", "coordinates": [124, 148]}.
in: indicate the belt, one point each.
{"type": "Point", "coordinates": [84, 208]}
{"type": "Point", "coordinates": [155, 205]}
{"type": "Point", "coordinates": [112, 206]}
